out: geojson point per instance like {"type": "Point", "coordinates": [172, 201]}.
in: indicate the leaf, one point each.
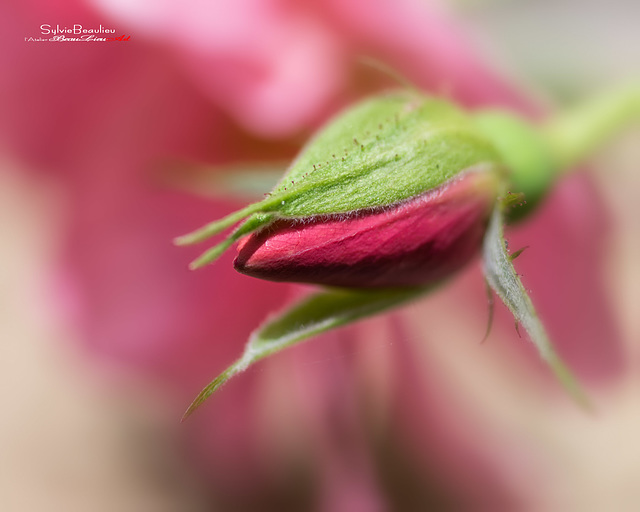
{"type": "Point", "coordinates": [316, 314]}
{"type": "Point", "coordinates": [503, 278]}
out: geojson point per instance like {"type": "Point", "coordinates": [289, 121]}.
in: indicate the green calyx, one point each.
{"type": "Point", "coordinates": [381, 152]}
{"type": "Point", "coordinates": [537, 155]}
{"type": "Point", "coordinates": [525, 153]}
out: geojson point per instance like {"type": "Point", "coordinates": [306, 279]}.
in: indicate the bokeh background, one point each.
{"type": "Point", "coordinates": [108, 151]}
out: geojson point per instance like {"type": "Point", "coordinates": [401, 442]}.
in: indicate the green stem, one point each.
{"type": "Point", "coordinates": [576, 134]}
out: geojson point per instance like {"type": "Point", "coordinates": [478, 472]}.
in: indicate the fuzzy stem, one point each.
{"type": "Point", "coordinates": [576, 134]}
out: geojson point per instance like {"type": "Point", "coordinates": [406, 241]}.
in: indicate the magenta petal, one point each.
{"type": "Point", "coordinates": [417, 242]}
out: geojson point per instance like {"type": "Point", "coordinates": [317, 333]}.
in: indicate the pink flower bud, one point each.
{"type": "Point", "coordinates": [416, 242]}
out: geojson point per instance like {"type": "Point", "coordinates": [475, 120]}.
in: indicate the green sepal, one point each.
{"type": "Point", "coordinates": [380, 152]}
{"type": "Point", "coordinates": [253, 223]}
{"type": "Point", "coordinates": [504, 280]}
{"type": "Point", "coordinates": [314, 315]}
{"type": "Point", "coordinates": [217, 226]}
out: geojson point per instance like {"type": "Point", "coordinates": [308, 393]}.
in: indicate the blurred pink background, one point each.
{"type": "Point", "coordinates": [105, 336]}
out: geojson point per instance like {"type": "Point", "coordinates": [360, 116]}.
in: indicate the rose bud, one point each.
{"type": "Point", "coordinates": [416, 242]}
{"type": "Point", "coordinates": [395, 192]}
{"type": "Point", "coordinates": [395, 195]}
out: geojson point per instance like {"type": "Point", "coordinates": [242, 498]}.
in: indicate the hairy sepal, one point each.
{"type": "Point", "coordinates": [504, 280]}
{"type": "Point", "coordinates": [314, 315]}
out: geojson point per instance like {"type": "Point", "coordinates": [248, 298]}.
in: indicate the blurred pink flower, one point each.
{"type": "Point", "coordinates": [276, 67]}
{"type": "Point", "coordinates": [222, 82]}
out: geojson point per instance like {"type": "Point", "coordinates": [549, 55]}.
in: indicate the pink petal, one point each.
{"type": "Point", "coordinates": [419, 242]}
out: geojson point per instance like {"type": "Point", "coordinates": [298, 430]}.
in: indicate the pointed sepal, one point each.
{"type": "Point", "coordinates": [314, 315]}
{"type": "Point", "coordinates": [504, 280]}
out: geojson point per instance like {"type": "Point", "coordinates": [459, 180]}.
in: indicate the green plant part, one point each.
{"type": "Point", "coordinates": [392, 198]}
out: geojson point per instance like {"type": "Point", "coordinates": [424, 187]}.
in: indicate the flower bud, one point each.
{"type": "Point", "coordinates": [417, 242]}
{"type": "Point", "coordinates": [395, 192]}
